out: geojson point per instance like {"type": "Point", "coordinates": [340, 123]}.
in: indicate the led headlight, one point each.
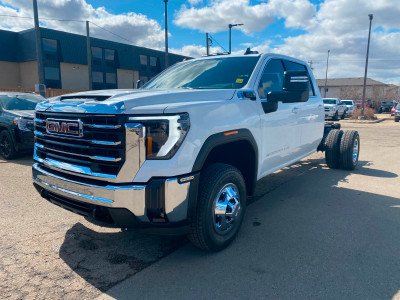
{"type": "Point", "coordinates": [164, 134]}
{"type": "Point", "coordinates": [24, 124]}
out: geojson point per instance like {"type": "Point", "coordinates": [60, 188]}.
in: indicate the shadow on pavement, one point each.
{"type": "Point", "coordinates": [313, 229]}
{"type": "Point", "coordinates": [22, 159]}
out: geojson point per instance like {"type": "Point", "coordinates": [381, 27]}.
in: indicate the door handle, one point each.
{"type": "Point", "coordinates": [295, 110]}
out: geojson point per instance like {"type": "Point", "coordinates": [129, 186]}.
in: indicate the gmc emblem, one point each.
{"type": "Point", "coordinates": [64, 127]}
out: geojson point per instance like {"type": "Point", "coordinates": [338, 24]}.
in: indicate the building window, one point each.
{"type": "Point", "coordinates": [153, 61]}
{"type": "Point", "coordinates": [51, 73]}
{"type": "Point", "coordinates": [97, 77]}
{"type": "Point", "coordinates": [143, 60]}
{"type": "Point", "coordinates": [97, 52]}
{"type": "Point", "coordinates": [49, 45]}
{"type": "Point", "coordinates": [111, 78]}
{"type": "Point", "coordinates": [144, 79]}
{"type": "Point", "coordinates": [109, 54]}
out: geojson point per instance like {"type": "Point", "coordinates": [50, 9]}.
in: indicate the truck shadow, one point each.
{"type": "Point", "coordinates": [104, 259]}
{"type": "Point", "coordinates": [22, 159]}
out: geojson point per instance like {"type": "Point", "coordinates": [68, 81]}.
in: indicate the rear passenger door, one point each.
{"type": "Point", "coordinates": [310, 115]}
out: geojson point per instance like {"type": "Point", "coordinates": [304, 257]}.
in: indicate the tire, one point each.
{"type": "Point", "coordinates": [209, 231]}
{"type": "Point", "coordinates": [332, 148]}
{"type": "Point", "coordinates": [380, 110]}
{"type": "Point", "coordinates": [335, 117]}
{"type": "Point", "coordinates": [344, 115]}
{"type": "Point", "coordinates": [349, 149]}
{"type": "Point", "coordinates": [396, 119]}
{"type": "Point", "coordinates": [7, 148]}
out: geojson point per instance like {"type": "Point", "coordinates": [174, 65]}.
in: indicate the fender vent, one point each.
{"type": "Point", "coordinates": [91, 97]}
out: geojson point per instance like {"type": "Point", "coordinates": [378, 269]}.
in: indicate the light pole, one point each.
{"type": "Point", "coordinates": [230, 35]}
{"type": "Point", "coordinates": [166, 33]}
{"type": "Point", "coordinates": [39, 54]}
{"type": "Point", "coordinates": [371, 16]}
{"type": "Point", "coordinates": [326, 74]}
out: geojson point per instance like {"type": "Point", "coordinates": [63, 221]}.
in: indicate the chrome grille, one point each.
{"type": "Point", "coordinates": [101, 148]}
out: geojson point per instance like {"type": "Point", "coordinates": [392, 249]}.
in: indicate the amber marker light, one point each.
{"type": "Point", "coordinates": [230, 133]}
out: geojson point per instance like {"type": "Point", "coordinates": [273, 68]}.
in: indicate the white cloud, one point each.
{"type": "Point", "coordinates": [195, 2]}
{"type": "Point", "coordinates": [196, 50]}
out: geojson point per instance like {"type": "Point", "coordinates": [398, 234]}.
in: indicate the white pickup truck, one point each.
{"type": "Point", "coordinates": [334, 108]}
{"type": "Point", "coordinates": [185, 150]}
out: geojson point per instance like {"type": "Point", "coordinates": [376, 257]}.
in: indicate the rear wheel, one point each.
{"type": "Point", "coordinates": [332, 148]}
{"type": "Point", "coordinates": [7, 149]}
{"type": "Point", "coordinates": [349, 149]}
{"type": "Point", "coordinates": [220, 208]}
{"type": "Point", "coordinates": [336, 117]}
{"type": "Point", "coordinates": [344, 115]}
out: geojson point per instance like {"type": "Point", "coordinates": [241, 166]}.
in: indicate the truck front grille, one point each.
{"type": "Point", "coordinates": [101, 147]}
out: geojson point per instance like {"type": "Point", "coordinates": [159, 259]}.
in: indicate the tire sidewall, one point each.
{"type": "Point", "coordinates": [6, 134]}
{"type": "Point", "coordinates": [218, 239]}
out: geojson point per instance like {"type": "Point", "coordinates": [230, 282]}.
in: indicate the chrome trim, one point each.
{"type": "Point", "coordinates": [104, 143]}
{"type": "Point", "coordinates": [95, 142]}
{"type": "Point", "coordinates": [176, 199]}
{"type": "Point", "coordinates": [130, 197]}
{"type": "Point", "coordinates": [102, 126]}
{"type": "Point", "coordinates": [38, 120]}
{"type": "Point", "coordinates": [226, 207]}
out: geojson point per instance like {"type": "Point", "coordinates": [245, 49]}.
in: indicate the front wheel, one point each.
{"type": "Point", "coordinates": [344, 115]}
{"type": "Point", "coordinates": [7, 149]}
{"type": "Point", "coordinates": [220, 209]}
{"type": "Point", "coordinates": [336, 117]}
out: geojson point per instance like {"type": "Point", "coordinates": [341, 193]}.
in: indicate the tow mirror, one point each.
{"type": "Point", "coordinates": [296, 87]}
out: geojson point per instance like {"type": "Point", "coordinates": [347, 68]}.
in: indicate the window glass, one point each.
{"type": "Point", "coordinates": [97, 77]}
{"type": "Point", "coordinates": [49, 45]}
{"type": "Point", "coordinates": [153, 61]}
{"type": "Point", "coordinates": [143, 79]}
{"type": "Point", "coordinates": [111, 78]}
{"type": "Point", "coordinates": [109, 54]}
{"type": "Point", "coordinates": [215, 73]}
{"type": "Point", "coordinates": [52, 73]}
{"type": "Point", "coordinates": [143, 60]}
{"type": "Point", "coordinates": [272, 78]}
{"type": "Point", "coordinates": [292, 66]}
{"type": "Point", "coordinates": [97, 52]}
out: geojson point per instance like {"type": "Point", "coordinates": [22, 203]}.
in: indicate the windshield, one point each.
{"type": "Point", "coordinates": [20, 102]}
{"type": "Point", "coordinates": [347, 102]}
{"type": "Point", "coordinates": [330, 101]}
{"type": "Point", "coordinates": [217, 73]}
{"type": "Point", "coordinates": [387, 103]}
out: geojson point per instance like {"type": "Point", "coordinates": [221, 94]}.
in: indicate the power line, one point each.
{"type": "Point", "coordinates": [121, 37]}
{"type": "Point", "coordinates": [217, 42]}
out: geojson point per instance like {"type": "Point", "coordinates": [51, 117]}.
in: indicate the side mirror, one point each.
{"type": "Point", "coordinates": [296, 87]}
{"type": "Point", "coordinates": [139, 84]}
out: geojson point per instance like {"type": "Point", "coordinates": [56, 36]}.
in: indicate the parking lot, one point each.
{"type": "Point", "coordinates": [309, 232]}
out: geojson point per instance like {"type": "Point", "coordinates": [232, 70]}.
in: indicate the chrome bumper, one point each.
{"type": "Point", "coordinates": [131, 197]}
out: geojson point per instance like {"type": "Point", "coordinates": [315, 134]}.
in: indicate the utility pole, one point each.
{"type": "Point", "coordinates": [230, 35]}
{"type": "Point", "coordinates": [166, 34]}
{"type": "Point", "coordinates": [371, 16]}
{"type": "Point", "coordinates": [326, 74]}
{"type": "Point", "coordinates": [39, 54]}
{"type": "Point", "coordinates": [207, 44]}
{"type": "Point", "coordinates": [310, 63]}
{"type": "Point", "coordinates": [89, 55]}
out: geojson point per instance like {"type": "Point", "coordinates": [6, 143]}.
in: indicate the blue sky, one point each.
{"type": "Point", "coordinates": [305, 29]}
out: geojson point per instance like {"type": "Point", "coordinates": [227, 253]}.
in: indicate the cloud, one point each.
{"type": "Point", "coordinates": [196, 50]}
{"type": "Point", "coordinates": [195, 2]}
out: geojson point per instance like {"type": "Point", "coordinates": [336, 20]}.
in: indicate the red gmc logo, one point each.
{"type": "Point", "coordinates": [66, 127]}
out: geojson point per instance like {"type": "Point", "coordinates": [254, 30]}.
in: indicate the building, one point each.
{"type": "Point", "coordinates": [352, 88]}
{"type": "Point", "coordinates": [114, 65]}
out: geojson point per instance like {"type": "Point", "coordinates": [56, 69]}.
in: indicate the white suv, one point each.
{"type": "Point", "coordinates": [186, 149]}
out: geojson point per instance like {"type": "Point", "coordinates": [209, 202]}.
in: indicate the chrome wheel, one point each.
{"type": "Point", "coordinates": [226, 208]}
{"type": "Point", "coordinates": [355, 150]}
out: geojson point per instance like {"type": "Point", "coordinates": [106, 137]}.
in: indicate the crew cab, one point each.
{"type": "Point", "coordinates": [16, 122]}
{"type": "Point", "coordinates": [350, 107]}
{"type": "Point", "coordinates": [185, 150]}
{"type": "Point", "coordinates": [397, 113]}
{"type": "Point", "coordinates": [334, 108]}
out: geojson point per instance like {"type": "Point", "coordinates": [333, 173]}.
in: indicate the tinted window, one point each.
{"type": "Point", "coordinates": [215, 73]}
{"type": "Point", "coordinates": [329, 101]}
{"type": "Point", "coordinates": [49, 45]}
{"type": "Point", "coordinates": [97, 52]}
{"type": "Point", "coordinates": [111, 78]}
{"type": "Point", "coordinates": [347, 102]}
{"type": "Point", "coordinates": [20, 102]}
{"type": "Point", "coordinates": [109, 54]}
{"type": "Point", "coordinates": [52, 73]}
{"type": "Point", "coordinates": [153, 61]}
{"type": "Point", "coordinates": [292, 66]}
{"type": "Point", "coordinates": [97, 77]}
{"type": "Point", "coordinates": [143, 60]}
{"type": "Point", "coordinates": [272, 78]}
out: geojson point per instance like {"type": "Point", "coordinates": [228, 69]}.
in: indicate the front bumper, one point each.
{"type": "Point", "coordinates": [160, 202]}
{"type": "Point", "coordinates": [330, 113]}
{"type": "Point", "coordinates": [24, 140]}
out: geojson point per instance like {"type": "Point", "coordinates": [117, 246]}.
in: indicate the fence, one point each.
{"type": "Point", "coordinates": [49, 92]}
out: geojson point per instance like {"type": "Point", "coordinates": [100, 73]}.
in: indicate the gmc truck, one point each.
{"type": "Point", "coordinates": [185, 151]}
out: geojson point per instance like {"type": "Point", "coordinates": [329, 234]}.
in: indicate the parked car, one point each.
{"type": "Point", "coordinates": [386, 106]}
{"type": "Point", "coordinates": [394, 108]}
{"type": "Point", "coordinates": [334, 108]}
{"type": "Point", "coordinates": [350, 107]}
{"type": "Point", "coordinates": [185, 150]}
{"type": "Point", "coordinates": [397, 113]}
{"type": "Point", "coordinates": [16, 122]}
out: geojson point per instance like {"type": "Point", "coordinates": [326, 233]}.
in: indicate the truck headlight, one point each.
{"type": "Point", "coordinates": [24, 124]}
{"type": "Point", "coordinates": [164, 134]}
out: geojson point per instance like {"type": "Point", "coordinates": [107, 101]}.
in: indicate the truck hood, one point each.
{"type": "Point", "coordinates": [132, 101]}
{"type": "Point", "coordinates": [22, 113]}
{"type": "Point", "coordinates": [329, 105]}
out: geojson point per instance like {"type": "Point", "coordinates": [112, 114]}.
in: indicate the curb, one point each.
{"type": "Point", "coordinates": [367, 121]}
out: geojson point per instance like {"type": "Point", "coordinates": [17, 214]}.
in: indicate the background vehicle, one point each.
{"type": "Point", "coordinates": [187, 149]}
{"type": "Point", "coordinates": [350, 106]}
{"type": "Point", "coordinates": [394, 108]}
{"type": "Point", "coordinates": [397, 113]}
{"type": "Point", "coordinates": [334, 108]}
{"type": "Point", "coordinates": [16, 122]}
{"type": "Point", "coordinates": [386, 106]}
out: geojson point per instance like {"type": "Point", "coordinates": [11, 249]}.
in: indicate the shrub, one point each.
{"type": "Point", "coordinates": [369, 114]}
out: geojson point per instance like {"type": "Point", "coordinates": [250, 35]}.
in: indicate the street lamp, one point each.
{"type": "Point", "coordinates": [166, 34]}
{"type": "Point", "coordinates": [371, 16]}
{"type": "Point", "coordinates": [326, 74]}
{"type": "Point", "coordinates": [230, 35]}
